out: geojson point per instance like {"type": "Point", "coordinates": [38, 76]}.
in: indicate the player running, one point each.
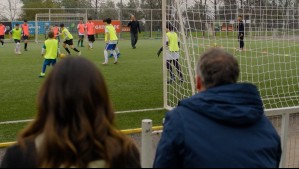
{"type": "Point", "coordinates": [16, 34]}
{"type": "Point", "coordinates": [111, 41]}
{"type": "Point", "coordinates": [68, 40]}
{"type": "Point", "coordinates": [25, 34]}
{"type": "Point", "coordinates": [49, 52]}
{"type": "Point", "coordinates": [2, 33]}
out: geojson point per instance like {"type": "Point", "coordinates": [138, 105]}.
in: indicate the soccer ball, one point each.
{"type": "Point", "coordinates": [62, 56]}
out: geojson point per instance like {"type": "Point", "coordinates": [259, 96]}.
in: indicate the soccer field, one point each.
{"type": "Point", "coordinates": [137, 81]}
{"type": "Point", "coordinates": [134, 84]}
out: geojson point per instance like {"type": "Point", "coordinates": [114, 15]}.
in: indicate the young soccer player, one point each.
{"type": "Point", "coordinates": [91, 30]}
{"type": "Point", "coordinates": [2, 33]}
{"type": "Point", "coordinates": [49, 52]}
{"type": "Point", "coordinates": [25, 34]}
{"type": "Point", "coordinates": [111, 40]}
{"type": "Point", "coordinates": [81, 32]}
{"type": "Point", "coordinates": [241, 35]}
{"type": "Point", "coordinates": [68, 40]}
{"type": "Point", "coordinates": [16, 34]}
{"type": "Point", "coordinates": [56, 32]}
{"type": "Point", "coordinates": [172, 54]}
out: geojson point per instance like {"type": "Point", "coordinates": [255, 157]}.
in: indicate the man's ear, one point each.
{"type": "Point", "coordinates": [199, 84]}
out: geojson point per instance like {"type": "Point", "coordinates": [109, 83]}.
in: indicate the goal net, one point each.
{"type": "Point", "coordinates": [44, 21]}
{"type": "Point", "coordinates": [269, 60]}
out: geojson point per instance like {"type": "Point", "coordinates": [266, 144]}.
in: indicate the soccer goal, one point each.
{"type": "Point", "coordinates": [270, 59]}
{"type": "Point", "coordinates": [44, 21]}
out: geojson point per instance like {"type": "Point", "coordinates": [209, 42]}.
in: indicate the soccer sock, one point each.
{"type": "Point", "coordinates": [25, 46]}
{"type": "Point", "coordinates": [79, 42]}
{"type": "Point", "coordinates": [18, 47]}
{"type": "Point", "coordinates": [90, 44]}
{"type": "Point", "coordinates": [169, 68]}
{"type": "Point", "coordinates": [115, 55]}
{"type": "Point", "coordinates": [117, 50]}
{"type": "Point", "coordinates": [68, 51]}
{"type": "Point", "coordinates": [2, 42]}
{"type": "Point", "coordinates": [82, 41]}
{"type": "Point", "coordinates": [178, 68]}
{"type": "Point", "coordinates": [106, 56]}
{"type": "Point", "coordinates": [75, 49]}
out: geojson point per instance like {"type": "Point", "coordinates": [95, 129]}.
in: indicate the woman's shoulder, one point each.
{"type": "Point", "coordinates": [20, 156]}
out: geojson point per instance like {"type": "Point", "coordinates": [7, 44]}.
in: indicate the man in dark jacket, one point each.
{"type": "Point", "coordinates": [224, 125]}
{"type": "Point", "coordinates": [135, 28]}
{"type": "Point", "coordinates": [241, 34]}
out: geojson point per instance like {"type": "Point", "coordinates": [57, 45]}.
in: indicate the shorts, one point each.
{"type": "Point", "coordinates": [91, 38]}
{"type": "Point", "coordinates": [1, 36]}
{"type": "Point", "coordinates": [49, 62]}
{"type": "Point", "coordinates": [69, 42]}
{"type": "Point", "coordinates": [172, 55]}
{"type": "Point", "coordinates": [17, 41]}
{"type": "Point", "coordinates": [25, 37]}
{"type": "Point", "coordinates": [81, 36]}
{"type": "Point", "coordinates": [111, 46]}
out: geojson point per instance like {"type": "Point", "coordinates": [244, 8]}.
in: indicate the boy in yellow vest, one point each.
{"type": "Point", "coordinates": [172, 54]}
{"type": "Point", "coordinates": [111, 40]}
{"type": "Point", "coordinates": [16, 34]}
{"type": "Point", "coordinates": [68, 40]}
{"type": "Point", "coordinates": [49, 52]}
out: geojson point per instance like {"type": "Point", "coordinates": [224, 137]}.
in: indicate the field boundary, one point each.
{"type": "Point", "coordinates": [126, 132]}
{"type": "Point", "coordinates": [120, 112]}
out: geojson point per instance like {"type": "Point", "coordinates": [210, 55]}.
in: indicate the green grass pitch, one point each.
{"type": "Point", "coordinates": [137, 81]}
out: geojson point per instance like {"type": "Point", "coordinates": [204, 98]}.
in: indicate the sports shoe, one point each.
{"type": "Point", "coordinates": [105, 63]}
{"type": "Point", "coordinates": [19, 53]}
{"type": "Point", "coordinates": [182, 80]}
{"type": "Point", "coordinates": [80, 53]}
{"type": "Point", "coordinates": [115, 62]}
{"type": "Point", "coordinates": [42, 75]}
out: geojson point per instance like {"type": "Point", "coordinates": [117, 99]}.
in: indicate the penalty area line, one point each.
{"type": "Point", "coordinates": [120, 112]}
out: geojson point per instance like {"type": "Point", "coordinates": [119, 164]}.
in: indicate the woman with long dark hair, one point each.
{"type": "Point", "coordinates": [74, 126]}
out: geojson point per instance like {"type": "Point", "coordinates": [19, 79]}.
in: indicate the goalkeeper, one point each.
{"type": "Point", "coordinates": [172, 54]}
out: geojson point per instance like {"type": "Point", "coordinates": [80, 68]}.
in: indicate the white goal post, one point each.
{"type": "Point", "coordinates": [43, 22]}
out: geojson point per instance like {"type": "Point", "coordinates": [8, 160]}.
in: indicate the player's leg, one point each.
{"type": "Point", "coordinates": [65, 47]}
{"type": "Point", "coordinates": [2, 40]}
{"type": "Point", "coordinates": [18, 47]}
{"type": "Point", "coordinates": [82, 41]}
{"type": "Point", "coordinates": [44, 68]}
{"type": "Point", "coordinates": [26, 42]}
{"type": "Point", "coordinates": [242, 44]}
{"type": "Point", "coordinates": [169, 68]}
{"type": "Point", "coordinates": [136, 39]}
{"type": "Point", "coordinates": [133, 40]}
{"type": "Point", "coordinates": [113, 46]}
{"type": "Point", "coordinates": [106, 55]}
{"type": "Point", "coordinates": [79, 41]}
{"type": "Point", "coordinates": [71, 44]}
{"type": "Point", "coordinates": [178, 69]}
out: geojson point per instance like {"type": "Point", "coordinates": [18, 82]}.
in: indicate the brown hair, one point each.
{"type": "Point", "coordinates": [217, 67]}
{"type": "Point", "coordinates": [76, 120]}
{"type": "Point", "coordinates": [51, 35]}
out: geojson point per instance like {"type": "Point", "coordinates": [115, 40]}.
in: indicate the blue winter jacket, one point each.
{"type": "Point", "coordinates": [223, 127]}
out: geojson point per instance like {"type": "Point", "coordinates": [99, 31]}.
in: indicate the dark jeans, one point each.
{"type": "Point", "coordinates": [134, 39]}
{"type": "Point", "coordinates": [241, 40]}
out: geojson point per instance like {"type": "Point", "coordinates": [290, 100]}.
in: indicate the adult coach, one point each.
{"type": "Point", "coordinates": [135, 28]}
{"type": "Point", "coordinates": [25, 34]}
{"type": "Point", "coordinates": [241, 35]}
{"type": "Point", "coordinates": [223, 126]}
{"type": "Point", "coordinates": [91, 31]}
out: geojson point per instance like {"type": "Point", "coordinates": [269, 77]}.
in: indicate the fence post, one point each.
{"type": "Point", "coordinates": [284, 137]}
{"type": "Point", "coordinates": [147, 144]}
{"type": "Point", "coordinates": [152, 24]}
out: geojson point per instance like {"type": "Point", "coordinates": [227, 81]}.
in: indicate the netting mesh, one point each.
{"type": "Point", "coordinates": [269, 59]}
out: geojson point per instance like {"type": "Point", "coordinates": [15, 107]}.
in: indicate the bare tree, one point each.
{"type": "Point", "coordinates": [11, 9]}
